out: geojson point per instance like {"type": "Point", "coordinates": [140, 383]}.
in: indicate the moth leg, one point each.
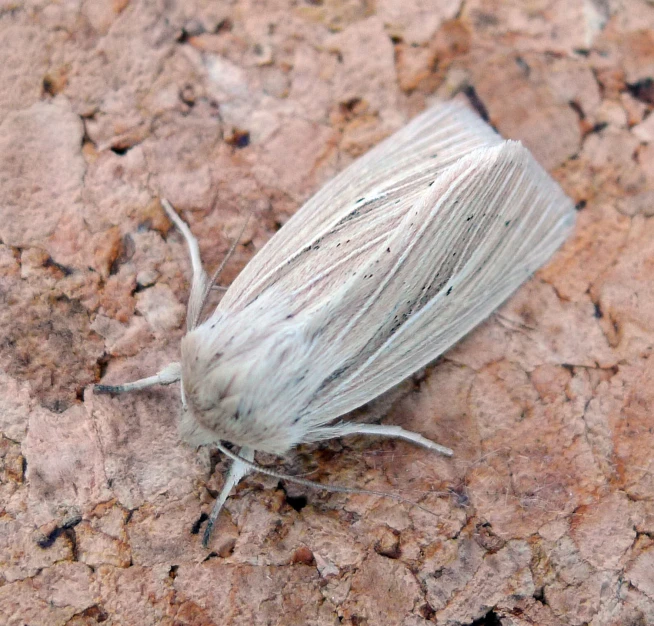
{"type": "Point", "coordinates": [236, 473]}
{"type": "Point", "coordinates": [397, 432]}
{"type": "Point", "coordinates": [168, 375]}
{"type": "Point", "coordinates": [511, 324]}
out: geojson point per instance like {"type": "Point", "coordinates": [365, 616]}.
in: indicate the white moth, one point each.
{"type": "Point", "coordinates": [380, 272]}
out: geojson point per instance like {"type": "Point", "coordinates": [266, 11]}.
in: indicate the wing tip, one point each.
{"type": "Point", "coordinates": [522, 158]}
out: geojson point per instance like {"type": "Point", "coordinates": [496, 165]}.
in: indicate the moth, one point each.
{"type": "Point", "coordinates": [381, 271]}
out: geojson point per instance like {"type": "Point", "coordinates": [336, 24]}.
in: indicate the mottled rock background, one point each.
{"type": "Point", "coordinates": [545, 515]}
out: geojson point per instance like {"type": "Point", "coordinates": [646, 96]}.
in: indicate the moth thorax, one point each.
{"type": "Point", "coordinates": [228, 392]}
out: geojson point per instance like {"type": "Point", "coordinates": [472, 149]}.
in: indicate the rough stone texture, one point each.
{"type": "Point", "coordinates": [545, 515]}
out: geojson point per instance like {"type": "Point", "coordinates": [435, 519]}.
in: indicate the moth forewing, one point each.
{"type": "Point", "coordinates": [481, 229]}
{"type": "Point", "coordinates": [380, 272]}
{"type": "Point", "coordinates": [343, 223]}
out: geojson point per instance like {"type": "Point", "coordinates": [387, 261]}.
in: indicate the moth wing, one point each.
{"type": "Point", "coordinates": [345, 221]}
{"type": "Point", "coordinates": [484, 226]}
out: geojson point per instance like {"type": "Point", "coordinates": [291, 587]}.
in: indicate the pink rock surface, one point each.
{"type": "Point", "coordinates": [544, 515]}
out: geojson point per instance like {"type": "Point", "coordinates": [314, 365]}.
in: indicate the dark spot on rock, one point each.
{"type": "Point", "coordinates": [643, 90]}
{"type": "Point", "coordinates": [49, 540]}
{"type": "Point", "coordinates": [304, 556]}
{"type": "Point", "coordinates": [45, 338]}
{"type": "Point", "coordinates": [120, 149]}
{"type": "Point", "coordinates": [198, 524]}
{"type": "Point", "coordinates": [49, 86]}
{"type": "Point", "coordinates": [490, 619]}
{"type": "Point", "coordinates": [296, 502]}
{"type": "Point", "coordinates": [239, 138]}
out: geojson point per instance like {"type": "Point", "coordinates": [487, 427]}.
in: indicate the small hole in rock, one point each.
{"type": "Point", "coordinates": [490, 619]}
{"type": "Point", "coordinates": [198, 523]}
{"type": "Point", "coordinates": [296, 502]}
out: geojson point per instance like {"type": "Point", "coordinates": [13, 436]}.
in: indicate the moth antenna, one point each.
{"type": "Point", "coordinates": [199, 280]}
{"type": "Point", "coordinates": [216, 275]}
{"type": "Point", "coordinates": [167, 376]}
{"type": "Point", "coordinates": [252, 466]}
